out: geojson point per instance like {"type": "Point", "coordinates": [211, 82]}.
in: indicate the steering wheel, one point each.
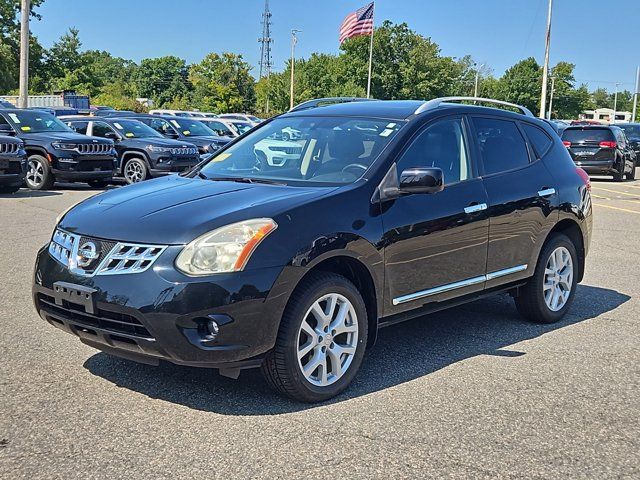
{"type": "Point", "coordinates": [354, 166]}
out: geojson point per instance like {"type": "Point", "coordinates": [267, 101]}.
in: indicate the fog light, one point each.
{"type": "Point", "coordinates": [213, 328]}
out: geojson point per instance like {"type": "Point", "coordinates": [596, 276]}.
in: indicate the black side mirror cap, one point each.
{"type": "Point", "coordinates": [421, 180]}
{"type": "Point", "coordinates": [7, 130]}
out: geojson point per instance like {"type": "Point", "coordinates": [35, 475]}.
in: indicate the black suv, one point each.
{"type": "Point", "coordinates": [57, 153]}
{"type": "Point", "coordinates": [632, 131]}
{"type": "Point", "coordinates": [13, 164]}
{"type": "Point", "coordinates": [393, 209]}
{"type": "Point", "coordinates": [142, 152]}
{"type": "Point", "coordinates": [185, 130]}
{"type": "Point", "coordinates": [601, 150]}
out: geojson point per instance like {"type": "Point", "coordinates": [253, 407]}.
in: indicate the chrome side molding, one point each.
{"type": "Point", "coordinates": [453, 286]}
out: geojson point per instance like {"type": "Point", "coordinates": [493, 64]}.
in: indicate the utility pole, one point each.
{"type": "Point", "coordinates": [635, 95]}
{"type": "Point", "coordinates": [475, 90]}
{"type": "Point", "coordinates": [294, 41]}
{"type": "Point", "coordinates": [612, 120]}
{"type": "Point", "coordinates": [24, 54]}
{"type": "Point", "coordinates": [545, 69]}
{"type": "Point", "coordinates": [553, 89]}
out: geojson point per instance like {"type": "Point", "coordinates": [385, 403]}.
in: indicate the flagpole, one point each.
{"type": "Point", "coordinates": [371, 52]}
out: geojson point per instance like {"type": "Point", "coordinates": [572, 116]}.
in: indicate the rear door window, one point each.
{"type": "Point", "coordinates": [538, 138]}
{"type": "Point", "coordinates": [501, 145]}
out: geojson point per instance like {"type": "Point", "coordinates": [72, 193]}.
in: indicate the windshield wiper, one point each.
{"type": "Point", "coordinates": [241, 180]}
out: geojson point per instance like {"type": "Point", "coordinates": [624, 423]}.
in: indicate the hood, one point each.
{"type": "Point", "coordinates": [62, 136]}
{"type": "Point", "coordinates": [174, 210]}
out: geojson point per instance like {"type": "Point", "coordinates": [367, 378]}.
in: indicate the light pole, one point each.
{"type": "Point", "coordinates": [23, 99]}
{"type": "Point", "coordinates": [294, 41]}
{"type": "Point", "coordinates": [553, 89]}
{"type": "Point", "coordinates": [615, 105]}
{"type": "Point", "coordinates": [635, 95]}
{"type": "Point", "coordinates": [545, 68]}
{"type": "Point", "coordinates": [475, 90]}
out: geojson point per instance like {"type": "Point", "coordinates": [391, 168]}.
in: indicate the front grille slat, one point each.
{"type": "Point", "coordinates": [9, 148]}
{"type": "Point", "coordinates": [93, 148]}
{"type": "Point", "coordinates": [127, 325]}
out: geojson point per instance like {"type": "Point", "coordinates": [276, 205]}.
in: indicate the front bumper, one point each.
{"type": "Point", "coordinates": [167, 165]}
{"type": "Point", "coordinates": [82, 167]}
{"type": "Point", "coordinates": [14, 174]}
{"type": "Point", "coordinates": [160, 314]}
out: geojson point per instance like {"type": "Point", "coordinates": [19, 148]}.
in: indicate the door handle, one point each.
{"type": "Point", "coordinates": [546, 192]}
{"type": "Point", "coordinates": [478, 207]}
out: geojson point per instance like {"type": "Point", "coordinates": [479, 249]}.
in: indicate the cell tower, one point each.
{"type": "Point", "coordinates": [265, 42]}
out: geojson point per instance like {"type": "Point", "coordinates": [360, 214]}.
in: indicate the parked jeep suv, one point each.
{"type": "Point", "coordinates": [185, 130]}
{"type": "Point", "coordinates": [601, 150]}
{"type": "Point", "coordinates": [294, 269]}
{"type": "Point", "coordinates": [13, 164]}
{"type": "Point", "coordinates": [57, 153]}
{"type": "Point", "coordinates": [142, 152]}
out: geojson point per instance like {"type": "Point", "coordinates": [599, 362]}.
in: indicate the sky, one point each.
{"type": "Point", "coordinates": [601, 37]}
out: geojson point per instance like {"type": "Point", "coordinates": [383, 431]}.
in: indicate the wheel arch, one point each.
{"type": "Point", "coordinates": [35, 150]}
{"type": "Point", "coordinates": [126, 155]}
{"type": "Point", "coordinates": [346, 264]}
{"type": "Point", "coordinates": [571, 229]}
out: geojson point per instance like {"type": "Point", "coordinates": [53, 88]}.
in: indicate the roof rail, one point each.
{"type": "Point", "coordinates": [436, 102]}
{"type": "Point", "coordinates": [319, 102]}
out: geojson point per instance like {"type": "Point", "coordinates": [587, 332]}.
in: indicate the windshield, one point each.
{"type": "Point", "coordinates": [36, 122]}
{"type": "Point", "coordinates": [135, 129]}
{"type": "Point", "coordinates": [242, 127]}
{"type": "Point", "coordinates": [305, 150]}
{"type": "Point", "coordinates": [192, 128]}
{"type": "Point", "coordinates": [632, 131]}
{"type": "Point", "coordinates": [588, 135]}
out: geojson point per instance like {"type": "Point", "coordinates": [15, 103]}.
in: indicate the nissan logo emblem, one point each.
{"type": "Point", "coordinates": [87, 253]}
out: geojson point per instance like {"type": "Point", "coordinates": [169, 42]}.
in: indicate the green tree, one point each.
{"type": "Point", "coordinates": [222, 83]}
{"type": "Point", "coordinates": [162, 79]}
{"type": "Point", "coordinates": [568, 102]}
{"type": "Point", "coordinates": [521, 84]}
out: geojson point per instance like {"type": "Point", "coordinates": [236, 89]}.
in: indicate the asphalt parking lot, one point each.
{"type": "Point", "coordinates": [467, 393]}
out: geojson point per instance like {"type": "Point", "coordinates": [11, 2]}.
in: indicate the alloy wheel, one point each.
{"type": "Point", "coordinates": [35, 173]}
{"type": "Point", "coordinates": [558, 279]}
{"type": "Point", "coordinates": [133, 172]}
{"type": "Point", "coordinates": [327, 339]}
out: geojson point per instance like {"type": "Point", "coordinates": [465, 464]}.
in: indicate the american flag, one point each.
{"type": "Point", "coordinates": [357, 23]}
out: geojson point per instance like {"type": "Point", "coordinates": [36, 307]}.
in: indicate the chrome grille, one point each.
{"type": "Point", "coordinates": [111, 258]}
{"type": "Point", "coordinates": [184, 151]}
{"type": "Point", "coordinates": [93, 148]}
{"type": "Point", "coordinates": [9, 148]}
{"type": "Point", "coordinates": [129, 258]}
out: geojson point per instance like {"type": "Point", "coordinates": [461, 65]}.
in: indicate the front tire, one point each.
{"type": "Point", "coordinates": [618, 176]}
{"type": "Point", "coordinates": [549, 293]}
{"type": "Point", "coordinates": [39, 175]}
{"type": "Point", "coordinates": [321, 340]}
{"type": "Point", "coordinates": [632, 174]}
{"type": "Point", "coordinates": [135, 170]}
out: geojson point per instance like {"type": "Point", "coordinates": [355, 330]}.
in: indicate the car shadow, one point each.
{"type": "Point", "coordinates": [403, 353]}
{"type": "Point", "coordinates": [26, 193]}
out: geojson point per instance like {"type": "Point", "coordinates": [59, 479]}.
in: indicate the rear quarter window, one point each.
{"type": "Point", "coordinates": [538, 138]}
{"type": "Point", "coordinates": [588, 135]}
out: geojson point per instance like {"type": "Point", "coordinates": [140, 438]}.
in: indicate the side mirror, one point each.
{"type": "Point", "coordinates": [111, 136]}
{"type": "Point", "coordinates": [6, 130]}
{"type": "Point", "coordinates": [173, 135]}
{"type": "Point", "coordinates": [421, 180]}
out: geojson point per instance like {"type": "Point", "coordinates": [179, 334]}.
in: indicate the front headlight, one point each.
{"type": "Point", "coordinates": [154, 149]}
{"type": "Point", "coordinates": [226, 249]}
{"type": "Point", "coordinates": [64, 146]}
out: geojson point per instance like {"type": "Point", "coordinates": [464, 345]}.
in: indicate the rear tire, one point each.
{"type": "Point", "coordinates": [321, 340]}
{"type": "Point", "coordinates": [39, 176]}
{"type": "Point", "coordinates": [619, 175]}
{"type": "Point", "coordinates": [537, 300]}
